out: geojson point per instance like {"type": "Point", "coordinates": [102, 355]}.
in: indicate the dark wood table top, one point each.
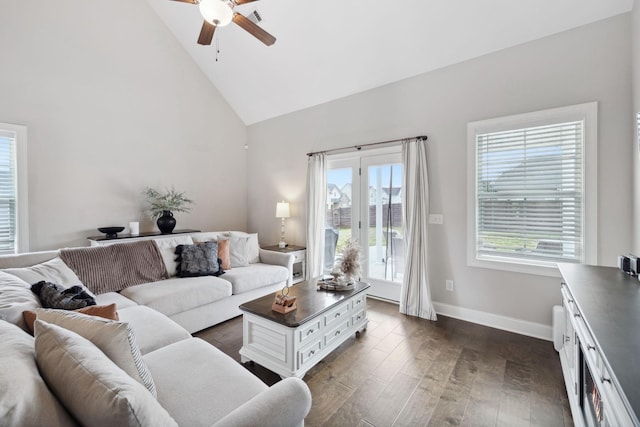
{"type": "Point", "coordinates": [609, 301]}
{"type": "Point", "coordinates": [122, 236]}
{"type": "Point", "coordinates": [311, 302]}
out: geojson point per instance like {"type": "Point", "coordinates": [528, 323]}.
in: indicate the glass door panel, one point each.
{"type": "Point", "coordinates": [342, 214]}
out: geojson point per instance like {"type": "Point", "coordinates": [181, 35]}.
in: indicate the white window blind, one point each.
{"type": "Point", "coordinates": [8, 191]}
{"type": "Point", "coordinates": [529, 193]}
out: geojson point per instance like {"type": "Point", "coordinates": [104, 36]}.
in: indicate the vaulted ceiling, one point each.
{"type": "Point", "coordinates": [329, 49]}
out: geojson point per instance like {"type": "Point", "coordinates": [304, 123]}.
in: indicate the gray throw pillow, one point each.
{"type": "Point", "coordinates": [55, 296]}
{"type": "Point", "coordinates": [198, 260]}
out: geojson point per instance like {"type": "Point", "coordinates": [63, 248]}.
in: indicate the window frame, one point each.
{"type": "Point", "coordinates": [587, 112]}
{"type": "Point", "coordinates": [21, 186]}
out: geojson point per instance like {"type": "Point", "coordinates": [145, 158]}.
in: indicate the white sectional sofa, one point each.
{"type": "Point", "coordinates": [196, 384]}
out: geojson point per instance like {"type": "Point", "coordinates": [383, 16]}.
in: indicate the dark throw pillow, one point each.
{"type": "Point", "coordinates": [198, 260]}
{"type": "Point", "coordinates": [55, 296]}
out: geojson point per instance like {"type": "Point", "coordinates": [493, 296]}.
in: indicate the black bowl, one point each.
{"type": "Point", "coordinates": [111, 231]}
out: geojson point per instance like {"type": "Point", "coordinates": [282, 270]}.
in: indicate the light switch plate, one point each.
{"type": "Point", "coordinates": [435, 219]}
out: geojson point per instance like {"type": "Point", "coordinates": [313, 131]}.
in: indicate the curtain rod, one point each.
{"type": "Point", "coordinates": [359, 147]}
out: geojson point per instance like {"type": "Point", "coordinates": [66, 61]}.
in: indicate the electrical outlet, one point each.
{"type": "Point", "coordinates": [449, 284]}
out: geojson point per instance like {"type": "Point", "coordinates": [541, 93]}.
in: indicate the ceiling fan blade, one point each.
{"type": "Point", "coordinates": [206, 34]}
{"type": "Point", "coordinates": [188, 1]}
{"type": "Point", "coordinates": [253, 29]}
{"type": "Point", "coordinates": [238, 2]}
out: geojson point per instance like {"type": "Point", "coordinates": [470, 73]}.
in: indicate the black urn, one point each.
{"type": "Point", "coordinates": [166, 222]}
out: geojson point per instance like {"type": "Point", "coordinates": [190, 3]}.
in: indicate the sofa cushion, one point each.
{"type": "Point", "coordinates": [16, 297]}
{"type": "Point", "coordinates": [115, 339]}
{"type": "Point", "coordinates": [114, 297]}
{"type": "Point", "coordinates": [239, 251]}
{"type": "Point", "coordinates": [90, 385]}
{"type": "Point", "coordinates": [198, 260]}
{"type": "Point", "coordinates": [183, 386]}
{"type": "Point", "coordinates": [105, 311]}
{"type": "Point", "coordinates": [55, 271]}
{"type": "Point", "coordinates": [209, 236]}
{"type": "Point", "coordinates": [167, 247]}
{"type": "Point", "coordinates": [253, 245]}
{"type": "Point", "coordinates": [255, 276]}
{"type": "Point", "coordinates": [176, 295]}
{"type": "Point", "coordinates": [25, 399]}
{"type": "Point", "coordinates": [153, 329]}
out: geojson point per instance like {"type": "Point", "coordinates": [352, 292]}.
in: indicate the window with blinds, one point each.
{"type": "Point", "coordinates": [529, 193]}
{"type": "Point", "coordinates": [8, 192]}
{"type": "Point", "coordinates": [531, 201]}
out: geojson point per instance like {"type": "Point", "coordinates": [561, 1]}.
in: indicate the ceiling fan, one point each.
{"type": "Point", "coordinates": [218, 13]}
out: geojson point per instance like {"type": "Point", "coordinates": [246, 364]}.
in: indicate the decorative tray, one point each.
{"type": "Point", "coordinates": [331, 285]}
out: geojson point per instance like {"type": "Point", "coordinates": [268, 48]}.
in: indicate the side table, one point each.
{"type": "Point", "coordinates": [299, 260]}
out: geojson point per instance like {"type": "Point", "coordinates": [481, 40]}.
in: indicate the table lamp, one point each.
{"type": "Point", "coordinates": [282, 211]}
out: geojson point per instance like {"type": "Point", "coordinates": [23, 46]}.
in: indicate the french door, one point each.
{"type": "Point", "coordinates": [364, 203]}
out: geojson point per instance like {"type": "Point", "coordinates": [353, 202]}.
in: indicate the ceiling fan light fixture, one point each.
{"type": "Point", "coordinates": [217, 12]}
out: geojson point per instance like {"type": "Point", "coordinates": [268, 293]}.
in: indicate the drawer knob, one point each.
{"type": "Point", "coordinates": [603, 379]}
{"type": "Point", "coordinates": [337, 333]}
{"type": "Point", "coordinates": [312, 352]}
{"type": "Point", "coordinates": [567, 338]}
{"type": "Point", "coordinates": [338, 315]}
{"type": "Point", "coordinates": [576, 315]}
{"type": "Point", "coordinates": [359, 301]}
{"type": "Point", "coordinates": [309, 332]}
{"type": "Point", "coordinates": [591, 347]}
{"type": "Point", "coordinates": [359, 317]}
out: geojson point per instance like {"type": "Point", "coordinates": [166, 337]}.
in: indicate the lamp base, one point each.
{"type": "Point", "coordinates": [282, 244]}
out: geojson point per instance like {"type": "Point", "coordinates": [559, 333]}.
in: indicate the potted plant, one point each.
{"type": "Point", "coordinates": [161, 206]}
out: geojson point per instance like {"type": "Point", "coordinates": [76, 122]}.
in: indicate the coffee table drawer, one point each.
{"type": "Point", "coordinates": [358, 317]}
{"type": "Point", "coordinates": [335, 334]}
{"type": "Point", "coordinates": [336, 315]}
{"type": "Point", "coordinates": [309, 353]}
{"type": "Point", "coordinates": [359, 302]}
{"type": "Point", "coordinates": [309, 331]}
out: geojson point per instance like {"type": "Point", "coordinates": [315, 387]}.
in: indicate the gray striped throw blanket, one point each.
{"type": "Point", "coordinates": [112, 268]}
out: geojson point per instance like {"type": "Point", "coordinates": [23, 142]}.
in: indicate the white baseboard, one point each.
{"type": "Point", "coordinates": [523, 327]}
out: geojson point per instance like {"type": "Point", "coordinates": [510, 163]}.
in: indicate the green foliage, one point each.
{"type": "Point", "coordinates": [170, 200]}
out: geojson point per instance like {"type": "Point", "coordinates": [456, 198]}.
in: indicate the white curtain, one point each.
{"type": "Point", "coordinates": [316, 208]}
{"type": "Point", "coordinates": [415, 298]}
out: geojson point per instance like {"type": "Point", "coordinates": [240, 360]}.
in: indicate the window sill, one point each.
{"type": "Point", "coordinates": [516, 266]}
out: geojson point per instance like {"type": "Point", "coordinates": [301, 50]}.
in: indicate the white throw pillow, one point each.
{"type": "Point", "coordinates": [25, 399]}
{"type": "Point", "coordinates": [16, 297]}
{"type": "Point", "coordinates": [91, 386]}
{"type": "Point", "coordinates": [239, 251]}
{"type": "Point", "coordinates": [116, 340]}
{"type": "Point", "coordinates": [167, 246]}
{"type": "Point", "coordinates": [253, 246]}
{"type": "Point", "coordinates": [54, 271]}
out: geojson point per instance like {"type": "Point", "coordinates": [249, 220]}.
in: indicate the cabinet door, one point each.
{"type": "Point", "coordinates": [570, 343]}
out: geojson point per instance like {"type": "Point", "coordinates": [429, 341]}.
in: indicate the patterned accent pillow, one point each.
{"type": "Point", "coordinates": [198, 260]}
{"type": "Point", "coordinates": [55, 296]}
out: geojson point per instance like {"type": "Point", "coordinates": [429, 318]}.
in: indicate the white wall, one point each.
{"type": "Point", "coordinates": [635, 155]}
{"type": "Point", "coordinates": [112, 104]}
{"type": "Point", "coordinates": [591, 63]}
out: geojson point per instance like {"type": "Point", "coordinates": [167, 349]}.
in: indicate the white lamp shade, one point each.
{"type": "Point", "coordinates": [282, 210]}
{"type": "Point", "coordinates": [216, 12]}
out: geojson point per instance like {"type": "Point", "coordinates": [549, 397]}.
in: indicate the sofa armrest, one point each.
{"type": "Point", "coordinates": [283, 404]}
{"type": "Point", "coordinates": [278, 258]}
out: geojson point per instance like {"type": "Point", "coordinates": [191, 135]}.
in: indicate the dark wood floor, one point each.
{"type": "Point", "coordinates": [405, 371]}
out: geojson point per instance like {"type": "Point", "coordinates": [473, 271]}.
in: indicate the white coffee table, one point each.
{"type": "Point", "coordinates": [291, 344]}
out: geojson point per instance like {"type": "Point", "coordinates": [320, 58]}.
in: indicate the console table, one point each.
{"type": "Point", "coordinates": [600, 356]}
{"type": "Point", "coordinates": [121, 238]}
{"type": "Point", "coordinates": [290, 344]}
